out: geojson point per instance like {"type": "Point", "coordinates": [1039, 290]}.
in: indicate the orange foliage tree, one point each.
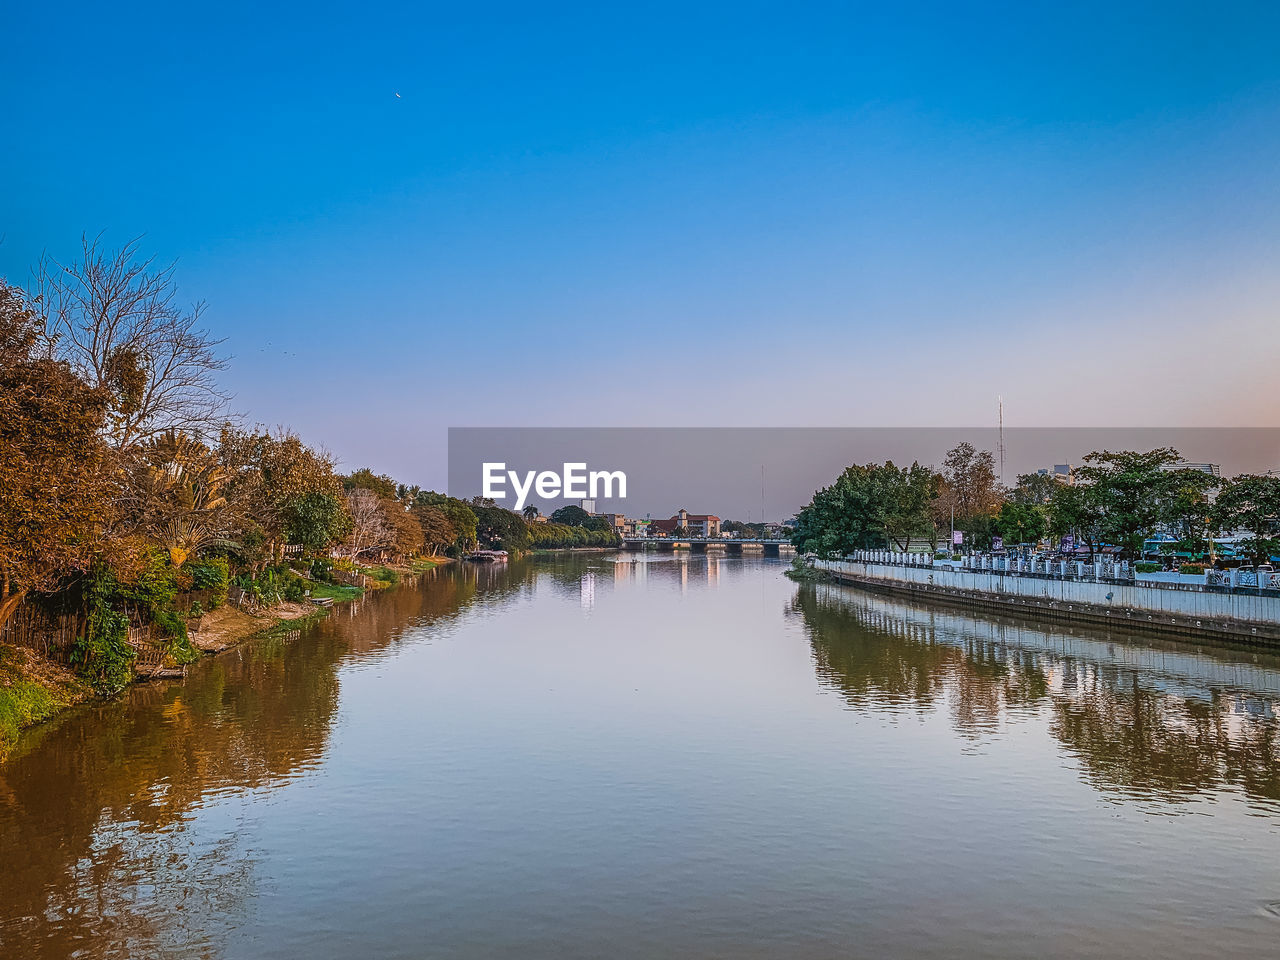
{"type": "Point", "coordinates": [54, 486]}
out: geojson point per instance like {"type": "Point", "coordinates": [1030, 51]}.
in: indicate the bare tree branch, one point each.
{"type": "Point", "coordinates": [114, 317]}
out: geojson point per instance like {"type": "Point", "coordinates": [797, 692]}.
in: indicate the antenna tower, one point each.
{"type": "Point", "coordinates": [1000, 444]}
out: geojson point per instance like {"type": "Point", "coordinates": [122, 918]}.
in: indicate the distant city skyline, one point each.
{"type": "Point", "coordinates": [415, 217]}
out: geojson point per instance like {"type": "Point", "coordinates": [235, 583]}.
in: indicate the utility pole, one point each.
{"type": "Point", "coordinates": [1000, 444]}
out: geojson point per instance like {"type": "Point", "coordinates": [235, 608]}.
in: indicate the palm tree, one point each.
{"type": "Point", "coordinates": [181, 492]}
{"type": "Point", "coordinates": [530, 512]}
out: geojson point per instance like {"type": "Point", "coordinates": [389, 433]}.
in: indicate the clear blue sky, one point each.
{"type": "Point", "coordinates": [613, 216]}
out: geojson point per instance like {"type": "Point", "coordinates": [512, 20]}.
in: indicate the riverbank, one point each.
{"type": "Point", "coordinates": [34, 689]}
{"type": "Point", "coordinates": [1221, 613]}
{"type": "Point", "coordinates": [563, 551]}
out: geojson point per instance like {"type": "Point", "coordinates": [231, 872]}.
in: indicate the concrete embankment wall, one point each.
{"type": "Point", "coordinates": [1239, 614]}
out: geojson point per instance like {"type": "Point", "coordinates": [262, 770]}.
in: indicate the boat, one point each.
{"type": "Point", "coordinates": [487, 556]}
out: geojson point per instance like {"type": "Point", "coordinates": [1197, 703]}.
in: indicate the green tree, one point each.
{"type": "Point", "coordinates": [867, 507]}
{"type": "Point", "coordinates": [1021, 522]}
{"type": "Point", "coordinates": [1252, 503]}
{"type": "Point", "coordinates": [906, 493]}
{"type": "Point", "coordinates": [571, 516]}
{"type": "Point", "coordinates": [1074, 510]}
{"type": "Point", "coordinates": [1188, 508]}
{"type": "Point", "coordinates": [500, 529]}
{"type": "Point", "coordinates": [1132, 492]}
{"type": "Point", "coordinates": [267, 475]}
{"type": "Point", "coordinates": [842, 517]}
{"type": "Point", "coordinates": [315, 520]}
{"type": "Point", "coordinates": [1034, 488]}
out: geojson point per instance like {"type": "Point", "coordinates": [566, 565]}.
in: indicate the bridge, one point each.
{"type": "Point", "coordinates": [709, 544]}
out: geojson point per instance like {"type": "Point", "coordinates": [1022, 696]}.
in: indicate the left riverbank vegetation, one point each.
{"type": "Point", "coordinates": [1115, 502]}
{"type": "Point", "coordinates": [134, 506]}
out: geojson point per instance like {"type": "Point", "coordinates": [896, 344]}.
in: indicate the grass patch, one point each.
{"type": "Point", "coordinates": [801, 571]}
{"type": "Point", "coordinates": [337, 592]}
{"type": "Point", "coordinates": [383, 577]}
{"type": "Point", "coordinates": [22, 704]}
{"type": "Point", "coordinates": [27, 696]}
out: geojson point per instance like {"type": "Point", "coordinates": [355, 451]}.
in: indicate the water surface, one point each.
{"type": "Point", "coordinates": [697, 758]}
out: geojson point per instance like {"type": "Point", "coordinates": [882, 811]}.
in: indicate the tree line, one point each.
{"type": "Point", "coordinates": [1117, 499]}
{"type": "Point", "coordinates": [124, 481]}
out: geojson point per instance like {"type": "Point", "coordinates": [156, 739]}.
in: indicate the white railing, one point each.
{"type": "Point", "coordinates": [1098, 569]}
{"type": "Point", "coordinates": [1255, 579]}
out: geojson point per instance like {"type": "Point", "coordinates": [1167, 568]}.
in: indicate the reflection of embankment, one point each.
{"type": "Point", "coordinates": [1146, 718]}
{"type": "Point", "coordinates": [93, 809]}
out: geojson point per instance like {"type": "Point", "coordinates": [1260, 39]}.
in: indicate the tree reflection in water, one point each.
{"type": "Point", "coordinates": [114, 786]}
{"type": "Point", "coordinates": [1147, 718]}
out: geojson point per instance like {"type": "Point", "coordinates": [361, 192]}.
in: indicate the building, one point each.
{"type": "Point", "coordinates": [589, 506]}
{"type": "Point", "coordinates": [617, 522]}
{"type": "Point", "coordinates": [698, 525]}
{"type": "Point", "coordinates": [1062, 472]}
{"type": "Point", "coordinates": [1213, 469]}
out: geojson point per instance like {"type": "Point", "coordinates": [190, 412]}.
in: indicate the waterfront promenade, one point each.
{"type": "Point", "coordinates": [1073, 591]}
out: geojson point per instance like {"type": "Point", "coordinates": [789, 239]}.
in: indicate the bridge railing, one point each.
{"type": "Point", "coordinates": [781, 541]}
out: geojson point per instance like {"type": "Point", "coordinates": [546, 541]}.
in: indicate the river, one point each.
{"type": "Point", "coordinates": [634, 757]}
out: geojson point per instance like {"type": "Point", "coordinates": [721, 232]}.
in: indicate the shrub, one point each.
{"type": "Point", "coordinates": [1194, 569]}
{"type": "Point", "coordinates": [293, 587]}
{"type": "Point", "coordinates": [172, 625]}
{"type": "Point", "coordinates": [182, 650]}
{"type": "Point", "coordinates": [103, 656]}
{"type": "Point", "coordinates": [212, 574]}
{"type": "Point", "coordinates": [1145, 567]}
{"type": "Point", "coordinates": [274, 584]}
